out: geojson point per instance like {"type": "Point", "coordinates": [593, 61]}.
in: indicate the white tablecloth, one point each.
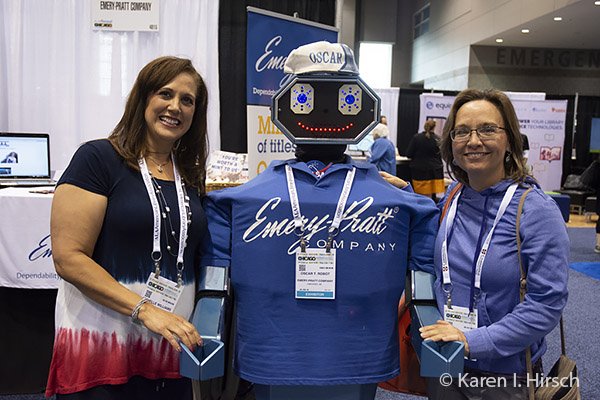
{"type": "Point", "coordinates": [25, 252]}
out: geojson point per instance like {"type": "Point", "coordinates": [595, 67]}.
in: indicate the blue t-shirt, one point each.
{"type": "Point", "coordinates": [95, 345]}
{"type": "Point", "coordinates": [353, 339]}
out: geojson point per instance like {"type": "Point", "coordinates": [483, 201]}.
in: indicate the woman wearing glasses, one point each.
{"type": "Point", "coordinates": [476, 260]}
{"type": "Point", "coordinates": [477, 265]}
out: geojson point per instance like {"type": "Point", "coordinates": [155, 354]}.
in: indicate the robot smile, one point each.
{"type": "Point", "coordinates": [325, 128]}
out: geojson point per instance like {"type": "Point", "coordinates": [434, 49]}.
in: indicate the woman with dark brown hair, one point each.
{"type": "Point", "coordinates": [126, 229]}
{"type": "Point", "coordinates": [426, 167]}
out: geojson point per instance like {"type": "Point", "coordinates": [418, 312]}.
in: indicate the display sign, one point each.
{"type": "Point", "coordinates": [224, 166]}
{"type": "Point", "coordinates": [595, 136]}
{"type": "Point", "coordinates": [125, 15]}
{"type": "Point", "coordinates": [270, 38]}
{"type": "Point", "coordinates": [25, 248]}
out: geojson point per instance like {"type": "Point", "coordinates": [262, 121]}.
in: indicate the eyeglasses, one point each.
{"type": "Point", "coordinates": [485, 132]}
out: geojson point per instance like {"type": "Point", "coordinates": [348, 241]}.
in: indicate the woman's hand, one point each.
{"type": "Point", "coordinates": [394, 180]}
{"type": "Point", "coordinates": [444, 331]}
{"type": "Point", "coordinates": [171, 326]}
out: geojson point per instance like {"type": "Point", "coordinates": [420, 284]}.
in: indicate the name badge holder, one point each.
{"type": "Point", "coordinates": [316, 268]}
{"type": "Point", "coordinates": [458, 315]}
{"type": "Point", "coordinates": [163, 292]}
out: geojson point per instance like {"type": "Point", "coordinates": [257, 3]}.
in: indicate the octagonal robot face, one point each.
{"type": "Point", "coordinates": [326, 109]}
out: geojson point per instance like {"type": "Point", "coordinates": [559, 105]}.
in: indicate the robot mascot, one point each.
{"type": "Point", "coordinates": [317, 249]}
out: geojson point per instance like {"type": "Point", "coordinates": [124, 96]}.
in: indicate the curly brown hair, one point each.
{"type": "Point", "coordinates": [515, 168]}
{"type": "Point", "coordinates": [129, 136]}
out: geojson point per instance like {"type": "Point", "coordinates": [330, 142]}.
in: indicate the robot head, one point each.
{"type": "Point", "coordinates": [324, 101]}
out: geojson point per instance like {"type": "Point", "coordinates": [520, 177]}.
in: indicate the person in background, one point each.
{"type": "Point", "coordinates": [482, 148]}
{"type": "Point", "coordinates": [593, 181]}
{"type": "Point", "coordinates": [426, 166]}
{"type": "Point", "coordinates": [526, 153]}
{"type": "Point", "coordinates": [126, 224]}
{"type": "Point", "coordinates": [383, 151]}
{"type": "Point", "coordinates": [383, 120]}
{"type": "Point", "coordinates": [525, 147]}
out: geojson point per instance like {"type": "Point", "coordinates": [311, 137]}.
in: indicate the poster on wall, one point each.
{"type": "Point", "coordinates": [270, 38]}
{"type": "Point", "coordinates": [125, 15]}
{"type": "Point", "coordinates": [543, 121]}
{"type": "Point", "coordinates": [544, 124]}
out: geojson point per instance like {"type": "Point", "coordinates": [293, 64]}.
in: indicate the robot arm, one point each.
{"type": "Point", "coordinates": [436, 358]}
{"type": "Point", "coordinates": [208, 360]}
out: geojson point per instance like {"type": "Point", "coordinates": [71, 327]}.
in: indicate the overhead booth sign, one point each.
{"type": "Point", "coordinates": [125, 15]}
{"type": "Point", "coordinates": [270, 38]}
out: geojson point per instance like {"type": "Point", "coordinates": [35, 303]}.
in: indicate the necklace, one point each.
{"type": "Point", "coordinates": [159, 166]}
{"type": "Point", "coordinates": [169, 228]}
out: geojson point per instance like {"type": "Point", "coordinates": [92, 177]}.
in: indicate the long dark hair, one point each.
{"type": "Point", "coordinates": [515, 168]}
{"type": "Point", "coordinates": [129, 136]}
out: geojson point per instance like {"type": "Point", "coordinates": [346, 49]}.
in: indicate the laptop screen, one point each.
{"type": "Point", "coordinates": [24, 155]}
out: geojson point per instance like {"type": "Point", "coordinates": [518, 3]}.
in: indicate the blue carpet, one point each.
{"type": "Point", "coordinates": [591, 269]}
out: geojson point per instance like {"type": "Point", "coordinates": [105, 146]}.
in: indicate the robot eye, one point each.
{"type": "Point", "coordinates": [349, 99]}
{"type": "Point", "coordinates": [302, 98]}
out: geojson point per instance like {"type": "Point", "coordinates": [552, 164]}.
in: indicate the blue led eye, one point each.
{"type": "Point", "coordinates": [349, 99]}
{"type": "Point", "coordinates": [302, 98]}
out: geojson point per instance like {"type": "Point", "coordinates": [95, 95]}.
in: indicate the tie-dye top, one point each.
{"type": "Point", "coordinates": [93, 344]}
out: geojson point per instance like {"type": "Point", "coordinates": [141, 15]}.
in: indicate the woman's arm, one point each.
{"type": "Point", "coordinates": [76, 221]}
{"type": "Point", "coordinates": [394, 180]}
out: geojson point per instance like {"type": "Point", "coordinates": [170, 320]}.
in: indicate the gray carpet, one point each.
{"type": "Point", "coordinates": [581, 324]}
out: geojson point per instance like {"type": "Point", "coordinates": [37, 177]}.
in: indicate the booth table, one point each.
{"type": "Point", "coordinates": [28, 285]}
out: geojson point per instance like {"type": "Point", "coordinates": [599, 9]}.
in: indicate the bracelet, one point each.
{"type": "Point", "coordinates": [137, 308]}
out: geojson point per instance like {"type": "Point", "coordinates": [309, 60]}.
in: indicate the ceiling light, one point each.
{"type": "Point", "coordinates": [524, 30]}
{"type": "Point", "coordinates": [558, 18]}
{"type": "Point", "coordinates": [499, 40]}
{"type": "Point", "coordinates": [597, 3]}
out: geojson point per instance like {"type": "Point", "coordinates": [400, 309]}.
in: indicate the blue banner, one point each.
{"type": "Point", "coordinates": [270, 38]}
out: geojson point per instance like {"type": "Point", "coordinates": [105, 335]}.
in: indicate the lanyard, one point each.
{"type": "Point", "coordinates": [183, 218]}
{"type": "Point", "coordinates": [447, 282]}
{"type": "Point", "coordinates": [339, 211]}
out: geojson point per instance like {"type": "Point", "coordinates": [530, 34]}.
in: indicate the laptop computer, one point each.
{"type": "Point", "coordinates": [25, 159]}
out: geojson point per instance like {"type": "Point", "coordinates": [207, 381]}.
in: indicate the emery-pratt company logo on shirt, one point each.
{"type": "Point", "coordinates": [356, 219]}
